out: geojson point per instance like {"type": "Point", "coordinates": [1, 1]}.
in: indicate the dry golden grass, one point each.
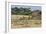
{"type": "Point", "coordinates": [18, 21]}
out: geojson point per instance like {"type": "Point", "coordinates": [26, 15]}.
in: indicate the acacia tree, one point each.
{"type": "Point", "coordinates": [21, 10]}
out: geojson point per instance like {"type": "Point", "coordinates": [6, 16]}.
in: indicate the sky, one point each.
{"type": "Point", "coordinates": [24, 6]}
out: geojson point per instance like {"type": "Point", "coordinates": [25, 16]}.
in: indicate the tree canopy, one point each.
{"type": "Point", "coordinates": [21, 11]}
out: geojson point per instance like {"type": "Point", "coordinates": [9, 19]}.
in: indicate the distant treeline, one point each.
{"type": "Point", "coordinates": [21, 11]}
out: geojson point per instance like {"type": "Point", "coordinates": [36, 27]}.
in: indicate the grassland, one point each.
{"type": "Point", "coordinates": [23, 21]}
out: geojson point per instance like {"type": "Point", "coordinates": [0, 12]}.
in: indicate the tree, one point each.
{"type": "Point", "coordinates": [21, 11]}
